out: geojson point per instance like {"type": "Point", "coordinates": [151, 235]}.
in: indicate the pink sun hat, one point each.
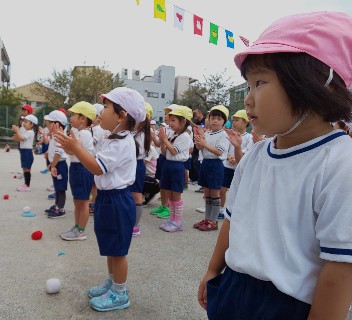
{"type": "Point", "coordinates": [324, 35]}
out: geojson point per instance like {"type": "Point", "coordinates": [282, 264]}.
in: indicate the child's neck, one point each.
{"type": "Point", "coordinates": [242, 131]}
{"type": "Point", "coordinates": [311, 128]}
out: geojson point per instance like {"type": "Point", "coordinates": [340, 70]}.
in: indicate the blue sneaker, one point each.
{"type": "Point", "coordinates": [221, 216]}
{"type": "Point", "coordinates": [100, 290]}
{"type": "Point", "coordinates": [111, 300]}
{"type": "Point", "coordinates": [44, 171]}
{"type": "Point", "coordinates": [52, 196]}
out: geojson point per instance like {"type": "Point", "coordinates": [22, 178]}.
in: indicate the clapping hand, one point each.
{"type": "Point", "coordinates": [68, 143]}
{"type": "Point", "coordinates": [234, 137]}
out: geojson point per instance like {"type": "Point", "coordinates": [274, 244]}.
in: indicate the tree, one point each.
{"type": "Point", "coordinates": [9, 111]}
{"type": "Point", "coordinates": [83, 83]}
{"type": "Point", "coordinates": [118, 82]}
{"type": "Point", "coordinates": [88, 83]}
{"type": "Point", "coordinates": [217, 89]}
{"type": "Point", "coordinates": [194, 97]}
{"type": "Point", "coordinates": [56, 89]}
{"type": "Point", "coordinates": [213, 91]}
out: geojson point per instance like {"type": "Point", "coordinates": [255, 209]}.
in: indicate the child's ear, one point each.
{"type": "Point", "coordinates": [123, 114]}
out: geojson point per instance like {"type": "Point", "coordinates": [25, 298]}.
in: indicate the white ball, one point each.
{"type": "Point", "coordinates": [53, 285]}
{"type": "Point", "coordinates": [26, 209]}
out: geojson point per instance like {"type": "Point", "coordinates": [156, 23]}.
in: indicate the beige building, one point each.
{"type": "Point", "coordinates": [33, 94]}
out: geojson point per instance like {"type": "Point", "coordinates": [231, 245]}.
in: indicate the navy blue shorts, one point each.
{"type": "Point", "coordinates": [26, 158]}
{"type": "Point", "coordinates": [238, 296]}
{"type": "Point", "coordinates": [114, 219]}
{"type": "Point", "coordinates": [60, 182]}
{"type": "Point", "coordinates": [45, 147]}
{"type": "Point", "coordinates": [173, 176]}
{"type": "Point", "coordinates": [211, 174]}
{"type": "Point", "coordinates": [140, 176]}
{"type": "Point", "coordinates": [159, 166]}
{"type": "Point", "coordinates": [228, 176]}
{"type": "Point", "coordinates": [81, 181]}
{"type": "Point", "coordinates": [188, 164]}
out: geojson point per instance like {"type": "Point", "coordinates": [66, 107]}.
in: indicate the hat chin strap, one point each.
{"type": "Point", "coordinates": [113, 131]}
{"type": "Point", "coordinates": [300, 120]}
{"type": "Point", "coordinates": [304, 116]}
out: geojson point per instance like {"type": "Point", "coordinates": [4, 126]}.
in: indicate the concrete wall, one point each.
{"type": "Point", "coordinates": [157, 89]}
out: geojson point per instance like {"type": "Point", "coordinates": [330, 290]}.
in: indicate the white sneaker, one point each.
{"type": "Point", "coordinates": [51, 188]}
{"type": "Point", "coordinates": [201, 209]}
{"type": "Point", "coordinates": [23, 188]}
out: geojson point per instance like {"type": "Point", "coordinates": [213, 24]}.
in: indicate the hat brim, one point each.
{"type": "Point", "coordinates": [262, 48]}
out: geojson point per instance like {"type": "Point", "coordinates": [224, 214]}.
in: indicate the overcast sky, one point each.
{"type": "Point", "coordinates": [43, 35]}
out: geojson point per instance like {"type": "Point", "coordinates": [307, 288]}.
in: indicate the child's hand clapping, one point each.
{"type": "Point", "coordinates": [234, 137]}
{"type": "Point", "coordinates": [69, 143]}
{"type": "Point", "coordinates": [162, 134]}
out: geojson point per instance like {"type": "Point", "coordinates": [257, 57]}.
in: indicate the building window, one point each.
{"type": "Point", "coordinates": [153, 95]}
{"type": "Point", "coordinates": [163, 96]}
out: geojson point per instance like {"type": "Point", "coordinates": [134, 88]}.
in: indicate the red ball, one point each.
{"type": "Point", "coordinates": [6, 196]}
{"type": "Point", "coordinates": [37, 235]}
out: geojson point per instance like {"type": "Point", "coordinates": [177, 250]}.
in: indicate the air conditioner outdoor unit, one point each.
{"type": "Point", "coordinates": [136, 75]}
{"type": "Point", "coordinates": [124, 73]}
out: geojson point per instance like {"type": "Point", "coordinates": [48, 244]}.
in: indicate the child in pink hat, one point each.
{"type": "Point", "coordinates": [285, 248]}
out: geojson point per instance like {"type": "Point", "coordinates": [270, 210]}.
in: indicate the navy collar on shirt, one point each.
{"type": "Point", "coordinates": [304, 149]}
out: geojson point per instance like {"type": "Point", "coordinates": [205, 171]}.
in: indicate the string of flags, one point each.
{"type": "Point", "coordinates": [179, 16]}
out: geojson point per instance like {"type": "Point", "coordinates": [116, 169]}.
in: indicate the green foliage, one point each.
{"type": "Point", "coordinates": [213, 91]}
{"type": "Point", "coordinates": [79, 84]}
{"type": "Point", "coordinates": [9, 110]}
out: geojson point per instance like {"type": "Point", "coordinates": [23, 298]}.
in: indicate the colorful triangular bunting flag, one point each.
{"type": "Point", "coordinates": [179, 17]}
{"type": "Point", "coordinates": [229, 39]}
{"type": "Point", "coordinates": [213, 33]}
{"type": "Point", "coordinates": [197, 25]}
{"type": "Point", "coordinates": [245, 41]}
{"type": "Point", "coordinates": [137, 2]}
{"type": "Point", "coordinates": [160, 9]}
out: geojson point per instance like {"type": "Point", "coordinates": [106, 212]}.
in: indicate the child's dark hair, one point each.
{"type": "Point", "coordinates": [303, 78]}
{"type": "Point", "coordinates": [180, 118]}
{"type": "Point", "coordinates": [60, 124]}
{"type": "Point", "coordinates": [130, 123]}
{"type": "Point", "coordinates": [144, 127]}
{"type": "Point", "coordinates": [342, 125]}
{"type": "Point", "coordinates": [89, 123]}
{"type": "Point", "coordinates": [217, 113]}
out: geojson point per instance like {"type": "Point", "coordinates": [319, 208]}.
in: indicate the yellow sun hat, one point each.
{"type": "Point", "coordinates": [182, 111]}
{"type": "Point", "coordinates": [148, 110]}
{"type": "Point", "coordinates": [223, 109]}
{"type": "Point", "coordinates": [241, 114]}
{"type": "Point", "coordinates": [85, 109]}
{"type": "Point", "coordinates": [171, 107]}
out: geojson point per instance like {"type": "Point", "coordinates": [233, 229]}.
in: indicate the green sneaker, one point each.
{"type": "Point", "coordinates": [157, 210]}
{"type": "Point", "coordinates": [165, 213]}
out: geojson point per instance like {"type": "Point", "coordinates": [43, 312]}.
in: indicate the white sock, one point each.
{"type": "Point", "coordinates": [119, 287]}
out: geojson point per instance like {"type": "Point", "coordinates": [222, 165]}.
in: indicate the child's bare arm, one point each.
{"type": "Point", "coordinates": [217, 262]}
{"type": "Point", "coordinates": [333, 293]}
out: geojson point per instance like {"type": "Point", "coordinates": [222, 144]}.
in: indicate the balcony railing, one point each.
{"type": "Point", "coordinates": [4, 56]}
{"type": "Point", "coordinates": [5, 77]}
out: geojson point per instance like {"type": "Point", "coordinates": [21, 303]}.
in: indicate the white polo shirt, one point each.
{"type": "Point", "coordinates": [247, 143]}
{"type": "Point", "coordinates": [181, 144]}
{"type": "Point", "coordinates": [290, 209]}
{"type": "Point", "coordinates": [217, 139]}
{"type": "Point", "coordinates": [28, 136]}
{"type": "Point", "coordinates": [85, 138]}
{"type": "Point", "coordinates": [117, 160]}
{"type": "Point", "coordinates": [55, 148]}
